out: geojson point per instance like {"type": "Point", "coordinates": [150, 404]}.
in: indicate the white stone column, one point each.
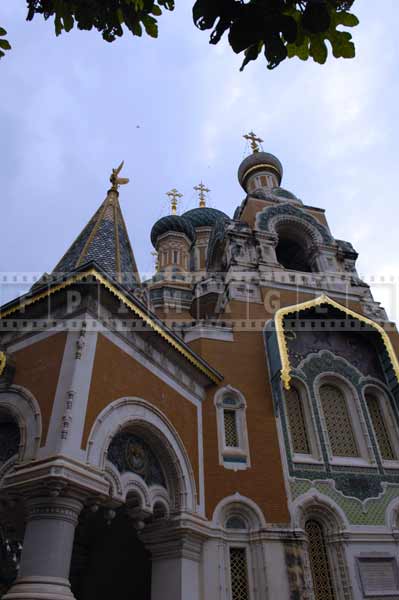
{"type": "Point", "coordinates": [176, 563]}
{"type": "Point", "coordinates": [47, 550]}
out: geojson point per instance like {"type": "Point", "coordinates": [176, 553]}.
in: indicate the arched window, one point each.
{"type": "Point", "coordinates": [297, 422]}
{"type": "Point", "coordinates": [232, 429]}
{"type": "Point", "coordinates": [292, 250]}
{"type": "Point", "coordinates": [338, 421]}
{"type": "Point", "coordinates": [236, 522]}
{"type": "Point", "coordinates": [321, 571]}
{"type": "Point", "coordinates": [378, 414]}
{"type": "Point", "coordinates": [10, 437]}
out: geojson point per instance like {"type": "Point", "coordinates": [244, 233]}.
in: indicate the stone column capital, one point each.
{"type": "Point", "coordinates": [61, 508]}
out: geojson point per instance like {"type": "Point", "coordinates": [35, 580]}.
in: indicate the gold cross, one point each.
{"type": "Point", "coordinates": [202, 190]}
{"type": "Point", "coordinates": [253, 140]}
{"type": "Point", "coordinates": [174, 196]}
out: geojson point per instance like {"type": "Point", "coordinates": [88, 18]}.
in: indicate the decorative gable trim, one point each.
{"type": "Point", "coordinates": [280, 315]}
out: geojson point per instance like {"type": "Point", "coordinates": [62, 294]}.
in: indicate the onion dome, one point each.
{"type": "Point", "coordinates": [256, 163]}
{"type": "Point", "coordinates": [172, 223]}
{"type": "Point", "coordinates": [204, 217]}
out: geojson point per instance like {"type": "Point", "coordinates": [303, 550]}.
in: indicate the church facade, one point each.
{"type": "Point", "coordinates": [227, 430]}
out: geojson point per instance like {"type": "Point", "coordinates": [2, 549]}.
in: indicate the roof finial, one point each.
{"type": "Point", "coordinates": [253, 140]}
{"type": "Point", "coordinates": [116, 180]}
{"type": "Point", "coordinates": [174, 196]}
{"type": "Point", "coordinates": [202, 190]}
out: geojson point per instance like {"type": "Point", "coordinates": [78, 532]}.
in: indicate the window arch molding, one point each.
{"type": "Point", "coordinates": [239, 550]}
{"type": "Point", "coordinates": [233, 443]}
{"type": "Point", "coordinates": [304, 397]}
{"type": "Point", "coordinates": [317, 507]}
{"type": "Point", "coordinates": [238, 505]}
{"type": "Point", "coordinates": [136, 413]}
{"type": "Point", "coordinates": [22, 406]}
{"type": "Point", "coordinates": [389, 419]}
{"type": "Point", "coordinates": [356, 419]}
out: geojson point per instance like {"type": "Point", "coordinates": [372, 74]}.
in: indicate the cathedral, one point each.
{"type": "Point", "coordinates": [225, 430]}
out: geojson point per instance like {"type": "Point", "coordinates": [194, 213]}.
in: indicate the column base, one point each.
{"type": "Point", "coordinates": [40, 588]}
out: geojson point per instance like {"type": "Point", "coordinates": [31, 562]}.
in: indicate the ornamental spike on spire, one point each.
{"type": "Point", "coordinates": [202, 190]}
{"type": "Point", "coordinates": [254, 141]}
{"type": "Point", "coordinates": [174, 196]}
{"type": "Point", "coordinates": [116, 180]}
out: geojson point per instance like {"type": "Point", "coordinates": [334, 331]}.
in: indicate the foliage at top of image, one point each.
{"type": "Point", "coordinates": [278, 29]}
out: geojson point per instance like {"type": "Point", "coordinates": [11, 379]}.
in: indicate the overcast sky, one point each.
{"type": "Point", "coordinates": [175, 109]}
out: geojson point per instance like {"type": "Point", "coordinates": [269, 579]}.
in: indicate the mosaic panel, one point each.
{"type": "Point", "coordinates": [370, 512]}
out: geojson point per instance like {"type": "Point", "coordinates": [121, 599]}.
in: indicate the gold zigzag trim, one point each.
{"type": "Point", "coordinates": [135, 309]}
{"type": "Point", "coordinates": [323, 299]}
{"type": "Point", "coordinates": [3, 362]}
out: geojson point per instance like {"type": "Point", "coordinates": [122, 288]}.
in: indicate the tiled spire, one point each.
{"type": "Point", "coordinates": [104, 240]}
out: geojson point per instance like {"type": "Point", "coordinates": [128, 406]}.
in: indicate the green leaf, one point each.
{"type": "Point", "coordinates": [5, 45]}
{"type": "Point", "coordinates": [347, 19]}
{"type": "Point", "coordinates": [301, 51]}
{"type": "Point", "coordinates": [68, 22]}
{"type": "Point", "coordinates": [3, 31]}
{"type": "Point", "coordinates": [150, 25]}
{"type": "Point", "coordinates": [342, 45]}
{"type": "Point", "coordinates": [156, 10]}
{"type": "Point", "coordinates": [318, 49]}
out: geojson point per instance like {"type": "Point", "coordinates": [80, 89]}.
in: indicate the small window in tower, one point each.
{"type": "Point", "coordinates": [175, 257]}
{"type": "Point", "coordinates": [230, 429]}
{"type": "Point", "coordinates": [239, 574]}
{"type": "Point", "coordinates": [292, 250]}
{"type": "Point", "coordinates": [263, 180]}
{"type": "Point", "coordinates": [380, 428]}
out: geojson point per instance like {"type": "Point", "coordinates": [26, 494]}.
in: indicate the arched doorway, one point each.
{"type": "Point", "coordinates": [319, 562]}
{"type": "Point", "coordinates": [109, 560]}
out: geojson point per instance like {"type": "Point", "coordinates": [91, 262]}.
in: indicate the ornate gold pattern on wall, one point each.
{"type": "Point", "coordinates": [296, 418]}
{"type": "Point", "coordinates": [379, 426]}
{"type": "Point", "coordinates": [322, 583]}
{"type": "Point", "coordinates": [339, 426]}
{"type": "Point", "coordinates": [239, 574]}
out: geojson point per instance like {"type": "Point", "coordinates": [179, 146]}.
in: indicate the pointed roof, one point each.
{"type": "Point", "coordinates": [105, 241]}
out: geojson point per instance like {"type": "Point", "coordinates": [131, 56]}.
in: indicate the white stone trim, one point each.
{"type": "Point", "coordinates": [73, 386]}
{"type": "Point", "coordinates": [135, 411]}
{"type": "Point", "coordinates": [226, 452]}
{"type": "Point", "coordinates": [238, 504]}
{"type": "Point", "coordinates": [24, 407]}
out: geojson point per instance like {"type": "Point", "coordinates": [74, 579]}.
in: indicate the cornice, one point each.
{"type": "Point", "coordinates": [145, 316]}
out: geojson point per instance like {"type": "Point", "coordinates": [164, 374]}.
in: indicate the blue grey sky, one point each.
{"type": "Point", "coordinates": [175, 109]}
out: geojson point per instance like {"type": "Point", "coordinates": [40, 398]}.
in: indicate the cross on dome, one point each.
{"type": "Point", "coordinates": [202, 190]}
{"type": "Point", "coordinates": [174, 196]}
{"type": "Point", "coordinates": [254, 141]}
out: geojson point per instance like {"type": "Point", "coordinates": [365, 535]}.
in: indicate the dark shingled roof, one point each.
{"type": "Point", "coordinates": [204, 217]}
{"type": "Point", "coordinates": [172, 223]}
{"type": "Point", "coordinates": [104, 240]}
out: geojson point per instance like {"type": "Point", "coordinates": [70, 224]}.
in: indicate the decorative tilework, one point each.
{"type": "Point", "coordinates": [370, 512]}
